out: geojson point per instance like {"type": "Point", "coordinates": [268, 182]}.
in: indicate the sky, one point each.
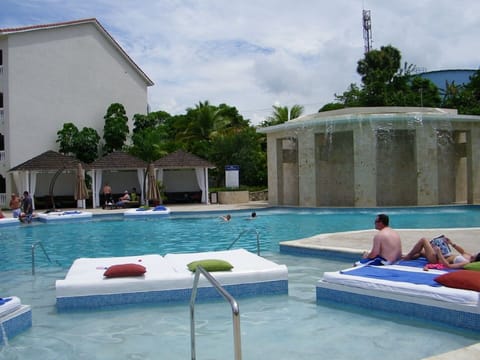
{"type": "Point", "coordinates": [254, 54]}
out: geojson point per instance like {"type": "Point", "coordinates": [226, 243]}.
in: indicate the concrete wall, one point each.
{"type": "Point", "coordinates": [233, 197]}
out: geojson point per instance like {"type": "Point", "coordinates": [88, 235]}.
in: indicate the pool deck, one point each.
{"type": "Point", "coordinates": [348, 242]}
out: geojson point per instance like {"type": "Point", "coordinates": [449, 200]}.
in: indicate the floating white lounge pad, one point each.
{"type": "Point", "coordinates": [166, 280]}
{"type": "Point", "coordinates": [9, 304]}
{"type": "Point", "coordinates": [14, 318]}
{"type": "Point", "coordinates": [64, 215]}
{"type": "Point", "coordinates": [247, 267]}
{"type": "Point", "coordinates": [156, 211]}
{"type": "Point", "coordinates": [449, 306]}
{"type": "Point", "coordinates": [9, 221]}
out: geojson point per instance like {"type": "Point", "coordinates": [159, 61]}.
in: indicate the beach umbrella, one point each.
{"type": "Point", "coordinates": [81, 191]}
{"type": "Point", "coordinates": [152, 190]}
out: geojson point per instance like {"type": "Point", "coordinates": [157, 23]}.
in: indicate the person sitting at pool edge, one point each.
{"type": "Point", "coordinates": [387, 246]}
{"type": "Point", "coordinates": [434, 255]}
{"type": "Point", "coordinates": [15, 205]}
{"type": "Point", "coordinates": [107, 195]}
{"type": "Point", "coordinates": [124, 199]}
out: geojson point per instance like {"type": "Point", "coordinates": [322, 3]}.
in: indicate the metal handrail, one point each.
{"type": "Point", "coordinates": [243, 232]}
{"type": "Point", "coordinates": [38, 243]}
{"type": "Point", "coordinates": [226, 295]}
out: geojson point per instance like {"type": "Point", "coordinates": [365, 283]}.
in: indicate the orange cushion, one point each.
{"type": "Point", "coordinates": [122, 270]}
{"type": "Point", "coordinates": [462, 279]}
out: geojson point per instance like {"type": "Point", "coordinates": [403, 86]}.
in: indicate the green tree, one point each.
{"type": "Point", "coordinates": [86, 145]}
{"type": "Point", "coordinates": [386, 83]}
{"type": "Point", "coordinates": [150, 121]}
{"type": "Point", "coordinates": [115, 130]}
{"type": "Point", "coordinates": [465, 98]}
{"type": "Point", "coordinates": [196, 127]}
{"type": "Point", "coordinates": [282, 114]}
{"type": "Point", "coordinates": [66, 138]}
{"type": "Point", "coordinates": [353, 97]}
{"type": "Point", "coordinates": [148, 144]}
{"type": "Point", "coordinates": [241, 148]}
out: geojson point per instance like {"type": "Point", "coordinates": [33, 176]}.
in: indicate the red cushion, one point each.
{"type": "Point", "coordinates": [125, 270]}
{"type": "Point", "coordinates": [462, 279]}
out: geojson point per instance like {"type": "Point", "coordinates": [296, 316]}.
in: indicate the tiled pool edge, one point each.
{"type": "Point", "coordinates": [453, 317]}
{"type": "Point", "coordinates": [15, 323]}
{"type": "Point", "coordinates": [327, 252]}
{"type": "Point", "coordinates": [178, 296]}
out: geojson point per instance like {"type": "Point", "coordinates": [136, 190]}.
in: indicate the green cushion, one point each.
{"type": "Point", "coordinates": [210, 265]}
{"type": "Point", "coordinates": [473, 266]}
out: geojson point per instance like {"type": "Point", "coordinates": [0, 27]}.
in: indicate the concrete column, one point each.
{"type": "Point", "coordinates": [427, 164]}
{"type": "Point", "coordinates": [306, 169]}
{"type": "Point", "coordinates": [365, 167]}
{"type": "Point", "coordinates": [274, 156]}
{"type": "Point", "coordinates": [473, 166]}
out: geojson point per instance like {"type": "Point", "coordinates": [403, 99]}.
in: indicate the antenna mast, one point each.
{"type": "Point", "coordinates": [367, 30]}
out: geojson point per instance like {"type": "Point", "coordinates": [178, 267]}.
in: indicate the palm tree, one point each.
{"type": "Point", "coordinates": [282, 114]}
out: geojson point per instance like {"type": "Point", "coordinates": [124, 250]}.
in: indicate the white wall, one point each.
{"type": "Point", "coordinates": [68, 74]}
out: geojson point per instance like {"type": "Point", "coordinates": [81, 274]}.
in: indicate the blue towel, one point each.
{"type": "Point", "coordinates": [159, 208]}
{"type": "Point", "coordinates": [384, 273]}
{"type": "Point", "coordinates": [4, 300]}
{"type": "Point", "coordinates": [418, 263]}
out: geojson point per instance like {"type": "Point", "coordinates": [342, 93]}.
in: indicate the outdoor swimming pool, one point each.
{"type": "Point", "coordinates": [274, 327]}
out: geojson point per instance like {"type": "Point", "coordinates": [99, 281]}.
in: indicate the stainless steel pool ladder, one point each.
{"type": "Point", "coordinates": [34, 245]}
{"type": "Point", "coordinates": [243, 232]}
{"type": "Point", "coordinates": [226, 295]}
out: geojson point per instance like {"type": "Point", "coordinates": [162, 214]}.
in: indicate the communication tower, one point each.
{"type": "Point", "coordinates": [367, 30]}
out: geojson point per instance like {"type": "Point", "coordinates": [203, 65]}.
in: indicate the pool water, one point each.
{"type": "Point", "coordinates": [195, 232]}
{"type": "Point", "coordinates": [272, 327]}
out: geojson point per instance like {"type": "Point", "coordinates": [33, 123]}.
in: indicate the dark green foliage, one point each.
{"type": "Point", "coordinates": [386, 83]}
{"type": "Point", "coordinates": [82, 144]}
{"type": "Point", "coordinates": [115, 130]}
{"type": "Point", "coordinates": [86, 145]}
{"type": "Point", "coordinates": [282, 114]}
{"type": "Point", "coordinates": [66, 138]}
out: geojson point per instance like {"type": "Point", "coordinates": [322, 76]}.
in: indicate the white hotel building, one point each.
{"type": "Point", "coordinates": [54, 74]}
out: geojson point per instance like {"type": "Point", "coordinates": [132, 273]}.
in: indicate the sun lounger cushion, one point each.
{"type": "Point", "coordinates": [462, 279]}
{"type": "Point", "coordinates": [210, 265]}
{"type": "Point", "coordinates": [473, 266]}
{"type": "Point", "coordinates": [123, 270]}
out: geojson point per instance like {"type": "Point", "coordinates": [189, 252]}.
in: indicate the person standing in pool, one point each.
{"type": "Point", "coordinates": [387, 246]}
{"type": "Point", "coordinates": [27, 207]}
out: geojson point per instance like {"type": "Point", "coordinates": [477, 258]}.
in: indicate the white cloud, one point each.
{"type": "Point", "coordinates": [253, 54]}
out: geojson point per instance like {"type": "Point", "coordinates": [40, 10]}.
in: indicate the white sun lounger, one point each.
{"type": "Point", "coordinates": [64, 215]}
{"type": "Point", "coordinates": [14, 318]}
{"type": "Point", "coordinates": [167, 280]}
{"type": "Point", "coordinates": [9, 221]}
{"type": "Point", "coordinates": [444, 305]}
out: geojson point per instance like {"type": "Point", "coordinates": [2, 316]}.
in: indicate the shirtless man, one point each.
{"type": "Point", "coordinates": [107, 193]}
{"type": "Point", "coordinates": [386, 243]}
{"type": "Point", "coordinates": [15, 205]}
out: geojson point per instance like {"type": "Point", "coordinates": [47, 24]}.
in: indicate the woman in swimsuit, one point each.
{"type": "Point", "coordinates": [434, 255]}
